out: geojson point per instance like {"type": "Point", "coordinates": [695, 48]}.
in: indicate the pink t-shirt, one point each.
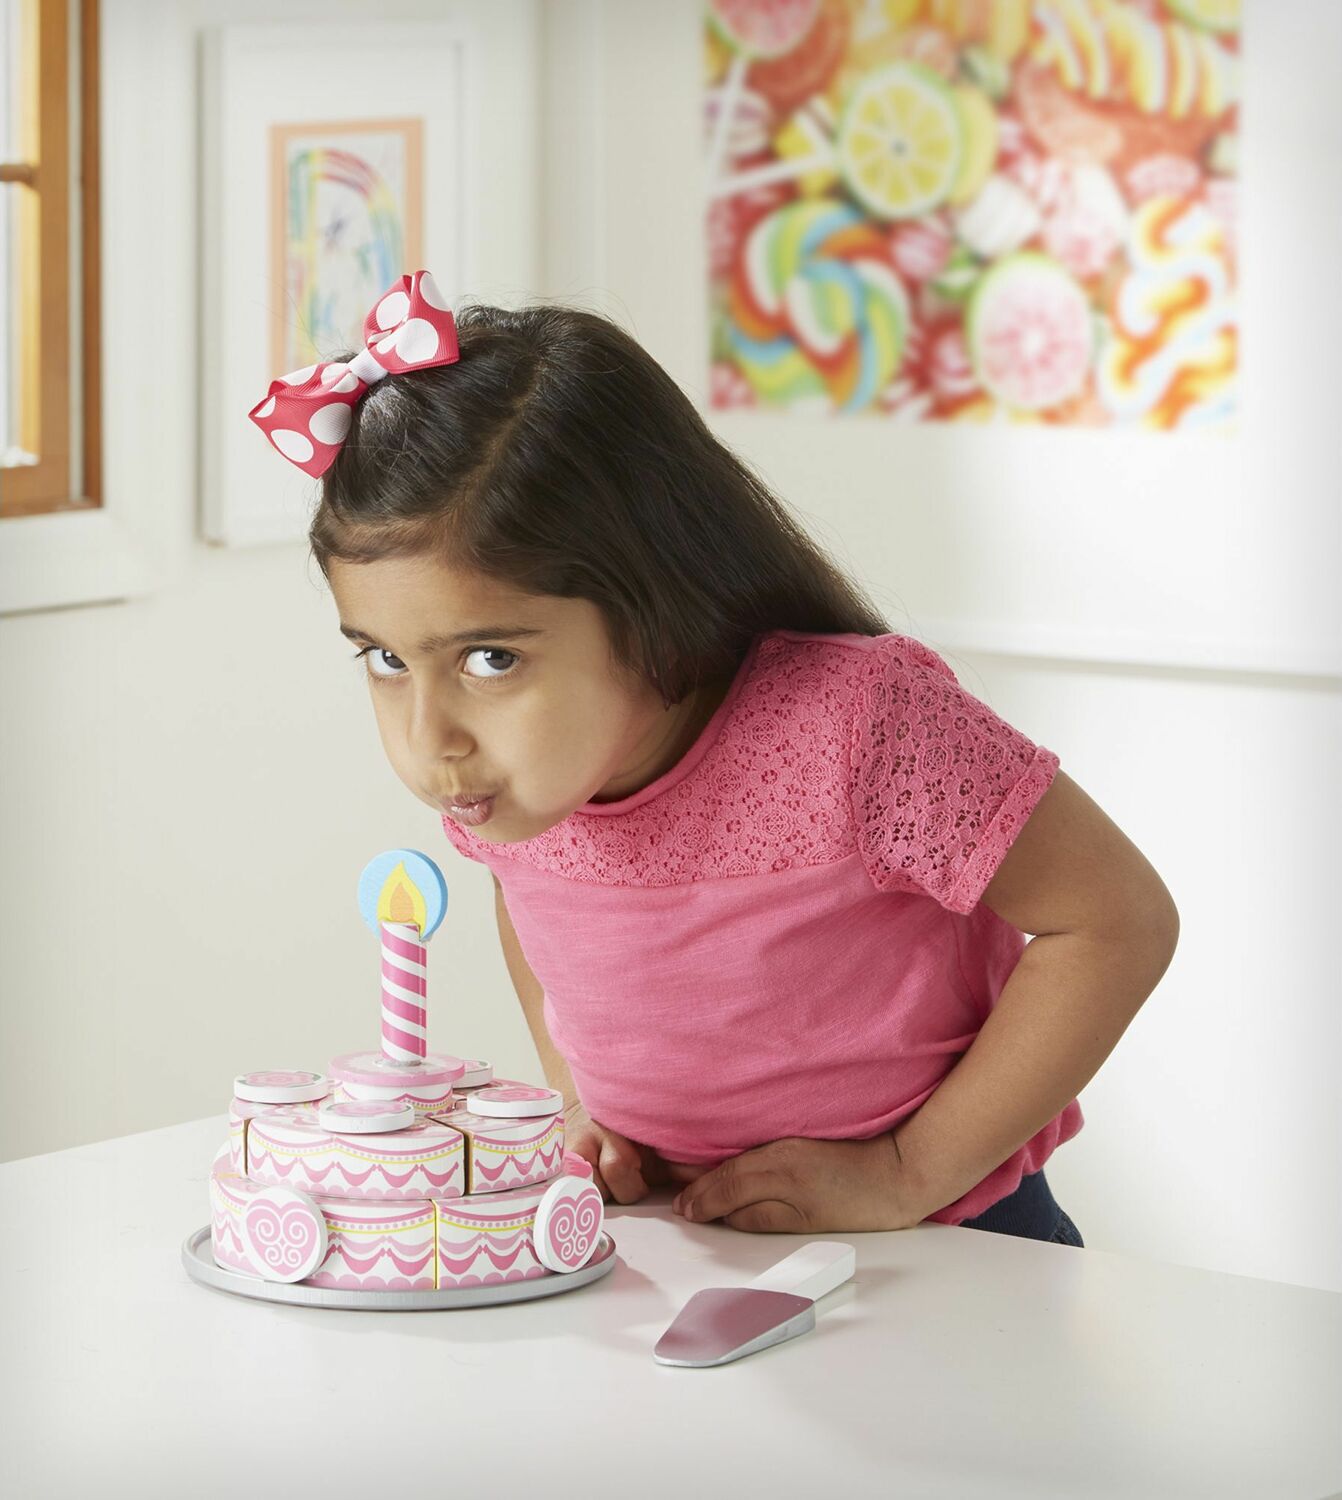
{"type": "Point", "coordinates": [782, 935]}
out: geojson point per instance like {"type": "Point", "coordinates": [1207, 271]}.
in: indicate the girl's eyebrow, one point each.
{"type": "Point", "coordinates": [456, 638]}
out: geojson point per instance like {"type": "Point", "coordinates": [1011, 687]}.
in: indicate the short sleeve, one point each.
{"type": "Point", "coordinates": [940, 785]}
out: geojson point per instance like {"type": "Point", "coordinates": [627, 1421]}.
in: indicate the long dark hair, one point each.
{"type": "Point", "coordinates": [559, 457]}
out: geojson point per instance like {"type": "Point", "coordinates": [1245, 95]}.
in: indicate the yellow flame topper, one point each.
{"type": "Point", "coordinates": [401, 900]}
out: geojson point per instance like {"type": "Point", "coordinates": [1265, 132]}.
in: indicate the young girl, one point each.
{"type": "Point", "coordinates": [764, 871]}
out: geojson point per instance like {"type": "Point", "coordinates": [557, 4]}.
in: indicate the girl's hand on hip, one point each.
{"type": "Point", "coordinates": [801, 1186]}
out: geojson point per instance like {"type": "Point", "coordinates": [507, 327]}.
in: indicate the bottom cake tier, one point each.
{"type": "Point", "coordinates": [284, 1234]}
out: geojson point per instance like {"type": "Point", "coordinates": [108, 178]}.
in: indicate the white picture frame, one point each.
{"type": "Point", "coordinates": [469, 80]}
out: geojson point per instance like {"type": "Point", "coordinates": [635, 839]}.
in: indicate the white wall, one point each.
{"type": "Point", "coordinates": [180, 767]}
{"type": "Point", "coordinates": [191, 781]}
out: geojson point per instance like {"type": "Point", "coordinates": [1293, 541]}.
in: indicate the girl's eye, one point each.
{"type": "Point", "coordinates": [494, 652]}
{"type": "Point", "coordinates": [382, 663]}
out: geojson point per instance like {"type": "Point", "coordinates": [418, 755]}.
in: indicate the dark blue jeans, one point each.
{"type": "Point", "coordinates": [1031, 1212]}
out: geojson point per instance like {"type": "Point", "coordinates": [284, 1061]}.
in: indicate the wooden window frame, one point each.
{"type": "Point", "coordinates": [48, 301]}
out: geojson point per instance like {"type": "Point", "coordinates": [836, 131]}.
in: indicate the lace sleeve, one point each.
{"type": "Point", "coordinates": [940, 785]}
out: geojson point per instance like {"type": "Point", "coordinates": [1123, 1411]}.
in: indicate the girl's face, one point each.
{"type": "Point", "coordinates": [481, 690]}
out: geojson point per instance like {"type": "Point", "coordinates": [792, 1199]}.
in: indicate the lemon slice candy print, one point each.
{"type": "Point", "coordinates": [901, 142]}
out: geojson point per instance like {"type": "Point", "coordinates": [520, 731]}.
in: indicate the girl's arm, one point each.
{"type": "Point", "coordinates": [621, 1168]}
{"type": "Point", "coordinates": [1106, 929]}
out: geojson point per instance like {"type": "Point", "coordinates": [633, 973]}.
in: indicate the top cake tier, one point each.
{"type": "Point", "coordinates": [449, 1151]}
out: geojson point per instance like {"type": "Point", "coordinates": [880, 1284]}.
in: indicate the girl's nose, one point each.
{"type": "Point", "coordinates": [434, 732]}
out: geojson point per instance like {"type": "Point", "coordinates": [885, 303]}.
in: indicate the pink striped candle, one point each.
{"type": "Point", "coordinates": [404, 994]}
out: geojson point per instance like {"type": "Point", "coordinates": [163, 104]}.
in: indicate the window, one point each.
{"type": "Point", "coordinates": [50, 437]}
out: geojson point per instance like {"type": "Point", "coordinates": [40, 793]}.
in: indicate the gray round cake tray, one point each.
{"type": "Point", "coordinates": [198, 1259]}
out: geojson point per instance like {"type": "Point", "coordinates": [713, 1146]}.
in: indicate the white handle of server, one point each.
{"type": "Point", "coordinates": [812, 1271]}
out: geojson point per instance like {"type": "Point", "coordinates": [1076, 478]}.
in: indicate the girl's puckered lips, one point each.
{"type": "Point", "coordinates": [470, 811]}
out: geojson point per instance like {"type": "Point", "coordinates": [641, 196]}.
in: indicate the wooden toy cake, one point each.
{"type": "Point", "coordinates": [400, 1170]}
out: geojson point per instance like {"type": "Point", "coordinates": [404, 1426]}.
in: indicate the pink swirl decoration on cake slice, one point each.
{"type": "Point", "coordinates": [285, 1234]}
{"type": "Point", "coordinates": [568, 1224]}
{"type": "Point", "coordinates": [573, 1231]}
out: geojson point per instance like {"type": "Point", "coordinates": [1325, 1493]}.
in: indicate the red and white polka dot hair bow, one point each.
{"type": "Point", "coordinates": [307, 414]}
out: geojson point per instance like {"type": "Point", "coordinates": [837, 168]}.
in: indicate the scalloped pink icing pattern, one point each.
{"type": "Point", "coordinates": [501, 1261]}
{"type": "Point", "coordinates": [361, 1265]}
{"type": "Point", "coordinates": [829, 747]}
{"type": "Point", "coordinates": [261, 1158]}
{"type": "Point", "coordinates": [226, 1242]}
{"type": "Point", "coordinates": [538, 1166]}
{"type": "Point", "coordinates": [370, 1283]}
{"type": "Point", "coordinates": [503, 1252]}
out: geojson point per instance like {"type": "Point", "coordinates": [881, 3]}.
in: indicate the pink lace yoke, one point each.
{"type": "Point", "coordinates": [841, 742]}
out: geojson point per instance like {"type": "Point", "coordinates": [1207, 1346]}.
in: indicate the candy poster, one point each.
{"type": "Point", "coordinates": [974, 210]}
{"type": "Point", "coordinates": [346, 223]}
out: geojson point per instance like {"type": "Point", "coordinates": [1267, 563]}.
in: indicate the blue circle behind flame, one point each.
{"type": "Point", "coordinates": [422, 871]}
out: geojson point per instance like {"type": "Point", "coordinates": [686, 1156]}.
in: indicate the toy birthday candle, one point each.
{"type": "Point", "coordinates": [403, 897]}
{"type": "Point", "coordinates": [404, 972]}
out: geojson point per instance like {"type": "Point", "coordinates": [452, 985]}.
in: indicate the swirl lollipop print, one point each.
{"type": "Point", "coordinates": [817, 314]}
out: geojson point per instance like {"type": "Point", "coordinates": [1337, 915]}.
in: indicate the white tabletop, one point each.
{"type": "Point", "coordinates": [956, 1364]}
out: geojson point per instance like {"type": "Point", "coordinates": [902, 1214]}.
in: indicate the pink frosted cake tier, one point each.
{"type": "Point", "coordinates": [504, 1154]}
{"type": "Point", "coordinates": [292, 1149]}
{"type": "Point", "coordinates": [488, 1240]}
{"type": "Point", "coordinates": [240, 1111]}
{"type": "Point", "coordinates": [449, 1201]}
